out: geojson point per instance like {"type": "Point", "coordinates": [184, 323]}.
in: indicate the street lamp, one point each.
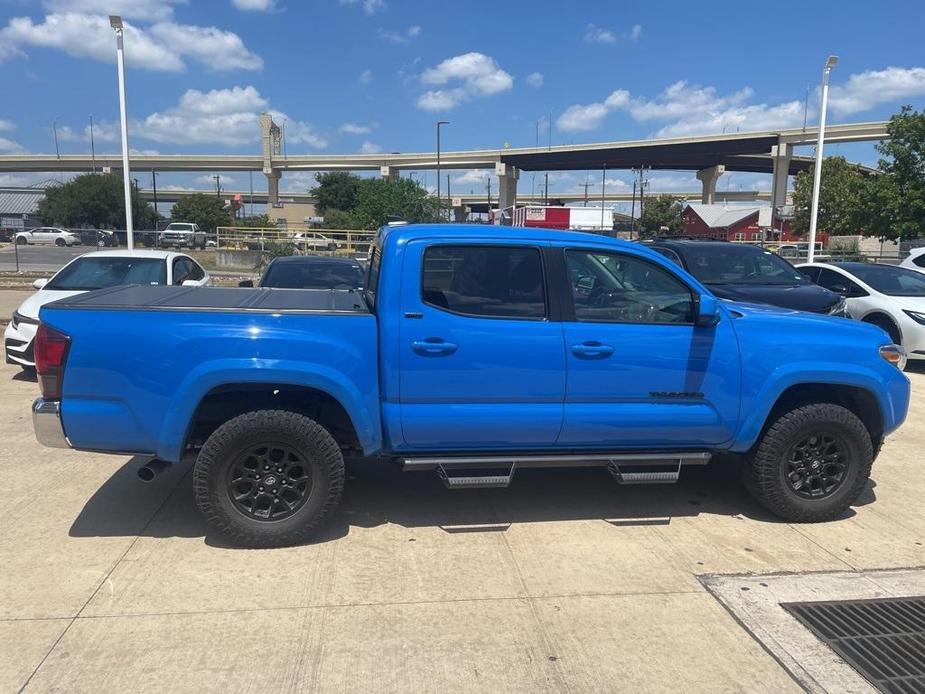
{"type": "Point", "coordinates": [115, 21]}
{"type": "Point", "coordinates": [439, 123]}
{"type": "Point", "coordinates": [817, 170]}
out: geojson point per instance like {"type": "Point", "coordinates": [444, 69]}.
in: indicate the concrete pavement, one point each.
{"type": "Point", "coordinates": [563, 582]}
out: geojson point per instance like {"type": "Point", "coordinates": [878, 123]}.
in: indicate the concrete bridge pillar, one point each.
{"type": "Point", "coordinates": [460, 214]}
{"type": "Point", "coordinates": [709, 177]}
{"type": "Point", "coordinates": [389, 172]}
{"type": "Point", "coordinates": [780, 158]}
{"type": "Point", "coordinates": [273, 187]}
{"type": "Point", "coordinates": [507, 185]}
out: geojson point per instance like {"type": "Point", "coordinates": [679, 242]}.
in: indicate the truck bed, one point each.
{"type": "Point", "coordinates": [159, 297]}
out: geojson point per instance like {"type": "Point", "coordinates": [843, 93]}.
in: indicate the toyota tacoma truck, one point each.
{"type": "Point", "coordinates": [472, 351]}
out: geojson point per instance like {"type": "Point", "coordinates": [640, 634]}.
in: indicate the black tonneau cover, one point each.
{"type": "Point", "coordinates": [139, 296]}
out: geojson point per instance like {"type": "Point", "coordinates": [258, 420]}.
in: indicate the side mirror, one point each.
{"type": "Point", "coordinates": [707, 308]}
{"type": "Point", "coordinates": [246, 283]}
{"type": "Point", "coordinates": [189, 283]}
{"type": "Point", "coordinates": [39, 283]}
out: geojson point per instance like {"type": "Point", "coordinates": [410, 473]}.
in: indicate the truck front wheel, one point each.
{"type": "Point", "coordinates": [811, 464]}
{"type": "Point", "coordinates": [268, 478]}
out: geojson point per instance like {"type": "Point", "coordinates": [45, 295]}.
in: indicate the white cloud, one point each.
{"type": "Point", "coordinates": [635, 32]}
{"type": "Point", "coordinates": [142, 10]}
{"type": "Point", "coordinates": [535, 79]}
{"type": "Point", "coordinates": [68, 134]}
{"type": "Point", "coordinates": [472, 177]}
{"type": "Point", "coordinates": [9, 147]}
{"type": "Point", "coordinates": [596, 34]}
{"type": "Point", "coordinates": [6, 125]}
{"type": "Point", "coordinates": [369, 6]}
{"type": "Point", "coordinates": [216, 49]}
{"type": "Point", "coordinates": [209, 180]}
{"type": "Point", "coordinates": [366, 77]}
{"type": "Point", "coordinates": [162, 46]}
{"type": "Point", "coordinates": [255, 5]}
{"type": "Point", "coordinates": [867, 89]}
{"type": "Point", "coordinates": [397, 38]}
{"type": "Point", "coordinates": [229, 117]}
{"type": "Point", "coordinates": [476, 74]}
{"type": "Point", "coordinates": [354, 129]}
{"type": "Point", "coordinates": [582, 117]}
{"type": "Point", "coordinates": [370, 148]}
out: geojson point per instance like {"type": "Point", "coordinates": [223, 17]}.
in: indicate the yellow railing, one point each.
{"type": "Point", "coordinates": [352, 242]}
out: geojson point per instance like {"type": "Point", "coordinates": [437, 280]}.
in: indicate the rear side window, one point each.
{"type": "Point", "coordinates": [919, 260]}
{"type": "Point", "coordinates": [372, 275]}
{"type": "Point", "coordinates": [489, 281]}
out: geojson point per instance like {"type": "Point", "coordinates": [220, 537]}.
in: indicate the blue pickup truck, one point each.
{"type": "Point", "coordinates": [472, 351]}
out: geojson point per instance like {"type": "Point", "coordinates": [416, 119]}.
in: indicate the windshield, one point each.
{"type": "Point", "coordinates": [895, 281]}
{"type": "Point", "coordinates": [727, 263]}
{"type": "Point", "coordinates": [313, 276]}
{"type": "Point", "coordinates": [179, 227]}
{"type": "Point", "coordinates": [86, 274]}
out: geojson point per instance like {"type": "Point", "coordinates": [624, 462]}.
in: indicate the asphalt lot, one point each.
{"type": "Point", "coordinates": [40, 258]}
{"type": "Point", "coordinates": [563, 582]}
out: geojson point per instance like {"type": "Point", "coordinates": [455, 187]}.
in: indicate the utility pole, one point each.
{"type": "Point", "coordinates": [603, 187]}
{"type": "Point", "coordinates": [92, 148]}
{"type": "Point", "coordinates": [154, 186]}
{"type": "Point", "coordinates": [488, 185]}
{"type": "Point", "coordinates": [448, 200]}
{"type": "Point", "coordinates": [115, 21]}
{"type": "Point", "coordinates": [817, 169]}
{"type": "Point", "coordinates": [546, 194]}
{"type": "Point", "coordinates": [633, 208]}
{"type": "Point", "coordinates": [586, 185]}
{"type": "Point", "coordinates": [218, 185]}
{"type": "Point", "coordinates": [439, 123]}
{"type": "Point", "coordinates": [54, 128]}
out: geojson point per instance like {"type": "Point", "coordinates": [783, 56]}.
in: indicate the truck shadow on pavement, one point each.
{"type": "Point", "coordinates": [378, 493]}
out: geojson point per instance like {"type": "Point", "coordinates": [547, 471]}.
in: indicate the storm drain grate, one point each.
{"type": "Point", "coordinates": [882, 639]}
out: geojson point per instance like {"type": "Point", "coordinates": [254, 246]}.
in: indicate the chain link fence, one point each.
{"type": "Point", "coordinates": [345, 242]}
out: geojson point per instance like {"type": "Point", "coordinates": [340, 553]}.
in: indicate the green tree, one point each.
{"type": "Point", "coordinates": [208, 211]}
{"type": "Point", "coordinates": [96, 201]}
{"type": "Point", "coordinates": [338, 219]}
{"type": "Point", "coordinates": [892, 204]}
{"type": "Point", "coordinates": [839, 195]}
{"type": "Point", "coordinates": [661, 211]}
{"type": "Point", "coordinates": [381, 198]}
{"type": "Point", "coordinates": [257, 221]}
{"type": "Point", "coordinates": [336, 190]}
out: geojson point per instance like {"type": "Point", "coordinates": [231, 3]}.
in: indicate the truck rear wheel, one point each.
{"type": "Point", "coordinates": [811, 464]}
{"type": "Point", "coordinates": [268, 478]}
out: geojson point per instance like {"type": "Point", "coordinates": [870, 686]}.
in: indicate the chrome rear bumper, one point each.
{"type": "Point", "coordinates": [46, 421]}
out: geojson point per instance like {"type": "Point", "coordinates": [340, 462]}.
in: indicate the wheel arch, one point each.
{"type": "Point", "coordinates": [876, 316]}
{"type": "Point", "coordinates": [226, 401]}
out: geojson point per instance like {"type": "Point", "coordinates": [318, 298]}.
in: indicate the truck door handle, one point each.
{"type": "Point", "coordinates": [434, 347]}
{"type": "Point", "coordinates": [592, 349]}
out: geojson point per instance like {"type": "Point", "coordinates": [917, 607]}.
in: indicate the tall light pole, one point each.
{"type": "Point", "coordinates": [115, 21]}
{"type": "Point", "coordinates": [817, 169]}
{"type": "Point", "coordinates": [54, 129]}
{"type": "Point", "coordinates": [439, 123]}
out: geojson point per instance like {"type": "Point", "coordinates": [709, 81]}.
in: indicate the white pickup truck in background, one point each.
{"type": "Point", "coordinates": [183, 235]}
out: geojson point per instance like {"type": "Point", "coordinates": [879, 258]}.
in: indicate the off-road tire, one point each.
{"type": "Point", "coordinates": [231, 440]}
{"type": "Point", "coordinates": [767, 475]}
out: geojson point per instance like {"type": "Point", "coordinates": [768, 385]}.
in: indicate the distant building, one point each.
{"type": "Point", "coordinates": [729, 223]}
{"type": "Point", "coordinates": [19, 208]}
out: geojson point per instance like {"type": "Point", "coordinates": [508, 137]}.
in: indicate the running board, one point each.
{"type": "Point", "coordinates": [626, 468]}
{"type": "Point", "coordinates": [492, 480]}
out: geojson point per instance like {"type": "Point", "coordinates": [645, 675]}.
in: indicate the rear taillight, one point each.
{"type": "Point", "coordinates": [50, 354]}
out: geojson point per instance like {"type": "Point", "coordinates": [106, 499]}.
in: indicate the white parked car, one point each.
{"type": "Point", "coordinates": [888, 296]}
{"type": "Point", "coordinates": [95, 271]}
{"type": "Point", "coordinates": [47, 235]}
{"type": "Point", "coordinates": [915, 261]}
{"type": "Point", "coordinates": [183, 235]}
{"type": "Point", "coordinates": [313, 241]}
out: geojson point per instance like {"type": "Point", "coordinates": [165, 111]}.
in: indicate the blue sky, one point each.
{"type": "Point", "coordinates": [374, 75]}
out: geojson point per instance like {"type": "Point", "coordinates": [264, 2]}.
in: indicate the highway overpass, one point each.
{"type": "Point", "coordinates": [769, 151]}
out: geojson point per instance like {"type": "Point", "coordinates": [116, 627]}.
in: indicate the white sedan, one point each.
{"type": "Point", "coordinates": [890, 297]}
{"type": "Point", "coordinates": [916, 260]}
{"type": "Point", "coordinates": [47, 235]}
{"type": "Point", "coordinates": [95, 271]}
